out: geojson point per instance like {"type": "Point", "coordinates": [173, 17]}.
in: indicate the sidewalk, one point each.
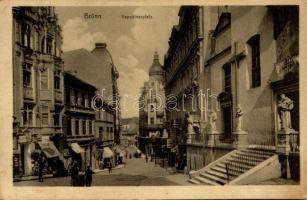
{"type": "Point", "coordinates": [31, 178]}
{"type": "Point", "coordinates": [106, 169]}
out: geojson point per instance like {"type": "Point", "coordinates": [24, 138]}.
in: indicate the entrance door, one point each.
{"type": "Point", "coordinates": [227, 123]}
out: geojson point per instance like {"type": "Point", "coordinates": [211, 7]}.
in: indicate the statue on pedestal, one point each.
{"type": "Point", "coordinates": [189, 119]}
{"type": "Point", "coordinates": [285, 105]}
{"type": "Point", "coordinates": [239, 116]}
{"type": "Point", "coordinates": [212, 120]}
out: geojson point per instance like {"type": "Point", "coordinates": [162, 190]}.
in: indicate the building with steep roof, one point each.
{"type": "Point", "coordinates": [98, 68]}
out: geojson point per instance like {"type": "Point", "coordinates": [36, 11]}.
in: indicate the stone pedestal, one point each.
{"type": "Point", "coordinates": [213, 138]}
{"type": "Point", "coordinates": [240, 139]}
{"type": "Point", "coordinates": [287, 140]}
{"type": "Point", "coordinates": [190, 137]}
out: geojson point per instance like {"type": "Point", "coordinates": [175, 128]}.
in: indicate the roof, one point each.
{"type": "Point", "coordinates": [156, 67]}
{"type": "Point", "coordinates": [71, 79]}
{"type": "Point", "coordinates": [96, 67]}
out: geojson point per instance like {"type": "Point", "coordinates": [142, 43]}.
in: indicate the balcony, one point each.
{"type": "Point", "coordinates": [79, 138]}
{"type": "Point", "coordinates": [28, 93]}
{"type": "Point", "coordinates": [80, 109]}
{"type": "Point", "coordinates": [58, 96]}
{"type": "Point", "coordinates": [153, 127]}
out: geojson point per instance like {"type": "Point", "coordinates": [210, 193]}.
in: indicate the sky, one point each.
{"type": "Point", "coordinates": [132, 42]}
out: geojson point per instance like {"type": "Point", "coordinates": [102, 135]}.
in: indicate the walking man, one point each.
{"type": "Point", "coordinates": [88, 176]}
{"type": "Point", "coordinates": [110, 167]}
{"type": "Point", "coordinates": [41, 165]}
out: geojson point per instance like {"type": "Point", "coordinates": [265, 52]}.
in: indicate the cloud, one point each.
{"type": "Point", "coordinates": [130, 61]}
{"type": "Point", "coordinates": [76, 35]}
{"type": "Point", "coordinates": [129, 87]}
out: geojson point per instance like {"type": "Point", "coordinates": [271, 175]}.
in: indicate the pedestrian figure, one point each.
{"type": "Point", "coordinates": [74, 172]}
{"type": "Point", "coordinates": [88, 176]}
{"type": "Point", "coordinates": [146, 158]}
{"type": "Point", "coordinates": [110, 167]}
{"type": "Point", "coordinates": [41, 165]}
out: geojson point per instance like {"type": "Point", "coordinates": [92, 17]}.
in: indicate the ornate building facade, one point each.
{"type": "Point", "coordinates": [38, 85]}
{"type": "Point", "coordinates": [242, 79]}
{"type": "Point", "coordinates": [152, 111]}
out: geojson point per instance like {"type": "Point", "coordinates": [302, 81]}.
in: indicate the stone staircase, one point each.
{"type": "Point", "coordinates": [244, 166]}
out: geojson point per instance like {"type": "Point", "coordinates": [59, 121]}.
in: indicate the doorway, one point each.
{"type": "Point", "coordinates": [227, 116]}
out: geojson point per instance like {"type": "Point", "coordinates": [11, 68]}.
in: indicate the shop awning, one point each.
{"type": "Point", "coordinates": [107, 152]}
{"type": "Point", "coordinates": [49, 149]}
{"type": "Point", "coordinates": [76, 148]}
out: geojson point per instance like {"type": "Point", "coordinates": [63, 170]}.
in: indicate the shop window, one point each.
{"type": "Point", "coordinates": [27, 74]}
{"type": "Point", "coordinates": [255, 58]}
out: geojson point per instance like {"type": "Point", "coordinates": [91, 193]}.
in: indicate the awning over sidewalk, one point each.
{"type": "Point", "coordinates": [76, 148]}
{"type": "Point", "coordinates": [49, 149]}
{"type": "Point", "coordinates": [107, 152]}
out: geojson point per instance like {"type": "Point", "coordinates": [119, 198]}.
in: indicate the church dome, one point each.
{"type": "Point", "coordinates": [156, 67]}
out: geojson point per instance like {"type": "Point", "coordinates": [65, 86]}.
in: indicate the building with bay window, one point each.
{"type": "Point", "coordinates": [38, 87]}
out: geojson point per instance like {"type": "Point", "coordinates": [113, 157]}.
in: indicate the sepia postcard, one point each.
{"type": "Point", "coordinates": [152, 99]}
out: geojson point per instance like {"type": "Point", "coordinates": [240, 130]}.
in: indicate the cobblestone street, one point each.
{"type": "Point", "coordinates": [135, 173]}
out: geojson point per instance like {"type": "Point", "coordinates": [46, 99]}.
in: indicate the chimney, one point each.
{"type": "Point", "coordinates": [100, 45]}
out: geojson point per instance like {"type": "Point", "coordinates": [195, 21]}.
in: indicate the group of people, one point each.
{"type": "Point", "coordinates": [81, 179]}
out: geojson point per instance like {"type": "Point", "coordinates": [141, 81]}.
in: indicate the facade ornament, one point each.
{"type": "Point", "coordinates": [239, 116]}
{"type": "Point", "coordinates": [285, 105]}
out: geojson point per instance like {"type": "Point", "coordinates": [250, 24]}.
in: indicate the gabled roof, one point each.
{"type": "Point", "coordinates": [224, 22]}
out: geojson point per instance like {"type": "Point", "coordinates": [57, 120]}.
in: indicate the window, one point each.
{"type": "Point", "coordinates": [49, 45]}
{"type": "Point", "coordinates": [57, 79]}
{"type": "Point", "coordinates": [90, 130]}
{"type": "Point", "coordinates": [45, 115]}
{"type": "Point", "coordinates": [26, 35]}
{"type": "Point", "coordinates": [44, 79]}
{"type": "Point", "coordinates": [100, 129]}
{"type": "Point", "coordinates": [152, 120]}
{"type": "Point", "coordinates": [57, 119]}
{"type": "Point", "coordinates": [43, 45]}
{"type": "Point", "coordinates": [227, 78]}
{"type": "Point", "coordinates": [27, 115]}
{"type": "Point", "coordinates": [77, 126]}
{"type": "Point", "coordinates": [67, 96]}
{"type": "Point", "coordinates": [69, 126]}
{"type": "Point", "coordinates": [27, 74]}
{"type": "Point", "coordinates": [255, 53]}
{"type": "Point", "coordinates": [83, 127]}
